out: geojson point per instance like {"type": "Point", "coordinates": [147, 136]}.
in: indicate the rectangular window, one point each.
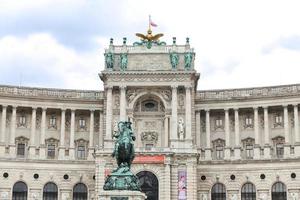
{"type": "Point", "coordinates": [219, 152]}
{"type": "Point", "coordinates": [249, 151]}
{"type": "Point", "coordinates": [278, 119]}
{"type": "Point", "coordinates": [279, 150]}
{"type": "Point", "coordinates": [248, 121]}
{"type": "Point", "coordinates": [219, 123]}
{"type": "Point", "coordinates": [52, 121]}
{"type": "Point", "coordinates": [22, 120]}
{"type": "Point", "coordinates": [21, 150]}
{"type": "Point", "coordinates": [82, 123]}
{"type": "Point", "coordinates": [81, 152]}
{"type": "Point", "coordinates": [51, 151]}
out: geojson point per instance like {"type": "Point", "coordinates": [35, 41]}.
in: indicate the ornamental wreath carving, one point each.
{"type": "Point", "coordinates": [149, 136]}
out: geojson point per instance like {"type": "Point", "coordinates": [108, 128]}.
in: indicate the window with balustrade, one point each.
{"type": "Point", "coordinates": [21, 144]}
{"type": "Point", "coordinates": [248, 145]}
{"type": "Point", "coordinates": [81, 147]}
{"type": "Point", "coordinates": [278, 144]}
{"type": "Point", "coordinates": [219, 145]}
{"type": "Point", "coordinates": [52, 122]}
{"type": "Point", "coordinates": [51, 144]}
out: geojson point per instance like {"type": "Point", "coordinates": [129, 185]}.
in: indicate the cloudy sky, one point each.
{"type": "Point", "coordinates": [238, 43]}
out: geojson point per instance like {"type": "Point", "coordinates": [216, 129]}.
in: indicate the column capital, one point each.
{"type": "Point", "coordinates": [108, 87]}
{"type": "Point", "coordinates": [4, 106]}
{"type": "Point", "coordinates": [92, 110]}
{"type": "Point", "coordinates": [63, 109]}
{"type": "Point", "coordinates": [265, 107]}
{"type": "Point", "coordinates": [34, 108]}
{"type": "Point", "coordinates": [295, 104]}
{"type": "Point", "coordinates": [284, 105]}
{"type": "Point", "coordinates": [44, 108]}
{"type": "Point", "coordinates": [174, 87]}
{"type": "Point", "coordinates": [188, 87]}
{"type": "Point", "coordinates": [255, 107]}
{"type": "Point", "coordinates": [226, 109]}
{"type": "Point", "coordinates": [122, 87]}
{"type": "Point", "coordinates": [236, 109]}
{"type": "Point", "coordinates": [207, 110]}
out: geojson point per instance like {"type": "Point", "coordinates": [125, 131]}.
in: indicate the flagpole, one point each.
{"type": "Point", "coordinates": [149, 22]}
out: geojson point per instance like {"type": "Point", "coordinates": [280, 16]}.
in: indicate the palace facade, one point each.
{"type": "Point", "coordinates": [215, 144]}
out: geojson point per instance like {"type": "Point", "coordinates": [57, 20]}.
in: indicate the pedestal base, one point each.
{"type": "Point", "coordinates": [121, 195]}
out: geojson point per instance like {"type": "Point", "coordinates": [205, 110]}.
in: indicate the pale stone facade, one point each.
{"type": "Point", "coordinates": [209, 135]}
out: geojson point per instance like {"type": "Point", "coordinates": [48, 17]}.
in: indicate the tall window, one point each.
{"type": "Point", "coordinates": [19, 191]}
{"type": "Point", "coordinates": [278, 120]}
{"type": "Point", "coordinates": [22, 121]}
{"type": "Point", "coordinates": [219, 148]}
{"type": "Point", "coordinates": [279, 146]}
{"type": "Point", "coordinates": [279, 191]}
{"type": "Point", "coordinates": [50, 192]}
{"type": "Point", "coordinates": [81, 123]}
{"type": "Point", "coordinates": [81, 152]}
{"type": "Point", "coordinates": [80, 192]}
{"type": "Point", "coordinates": [248, 122]}
{"type": "Point", "coordinates": [21, 150]}
{"type": "Point", "coordinates": [218, 192]}
{"type": "Point", "coordinates": [249, 151]}
{"type": "Point", "coordinates": [248, 192]}
{"type": "Point", "coordinates": [219, 123]}
{"type": "Point", "coordinates": [51, 151]}
{"type": "Point", "coordinates": [52, 121]}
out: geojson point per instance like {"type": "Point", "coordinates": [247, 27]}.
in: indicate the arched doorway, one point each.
{"type": "Point", "coordinates": [50, 191]}
{"type": "Point", "coordinates": [248, 192]}
{"type": "Point", "coordinates": [80, 192]}
{"type": "Point", "coordinates": [149, 184]}
{"type": "Point", "coordinates": [20, 191]}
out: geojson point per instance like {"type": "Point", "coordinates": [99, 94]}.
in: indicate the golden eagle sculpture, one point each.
{"type": "Point", "coordinates": [149, 37]}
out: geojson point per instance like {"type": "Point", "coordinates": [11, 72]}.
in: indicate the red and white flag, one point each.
{"type": "Point", "coordinates": [151, 22]}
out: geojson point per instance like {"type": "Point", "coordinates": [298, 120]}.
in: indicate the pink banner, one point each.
{"type": "Point", "coordinates": [182, 185]}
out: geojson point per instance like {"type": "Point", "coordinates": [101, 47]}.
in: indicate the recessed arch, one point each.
{"type": "Point", "coordinates": [248, 191]}
{"type": "Point", "coordinates": [20, 191]}
{"type": "Point", "coordinates": [149, 184]}
{"type": "Point", "coordinates": [279, 191]}
{"type": "Point", "coordinates": [80, 192]}
{"type": "Point", "coordinates": [50, 191]}
{"type": "Point", "coordinates": [132, 104]}
{"type": "Point", "coordinates": [218, 192]}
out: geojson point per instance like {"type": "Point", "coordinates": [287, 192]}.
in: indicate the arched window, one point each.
{"type": "Point", "coordinates": [149, 184]}
{"type": "Point", "coordinates": [218, 192]}
{"type": "Point", "coordinates": [80, 192]}
{"type": "Point", "coordinates": [279, 191]}
{"type": "Point", "coordinates": [20, 191]}
{"type": "Point", "coordinates": [50, 192]}
{"type": "Point", "coordinates": [248, 192]}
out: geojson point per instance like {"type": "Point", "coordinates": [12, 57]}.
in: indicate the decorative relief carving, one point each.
{"type": "Point", "coordinates": [38, 121]}
{"type": "Point", "coordinates": [181, 101]}
{"type": "Point", "coordinates": [149, 136]}
{"type": "Point", "coordinates": [117, 102]}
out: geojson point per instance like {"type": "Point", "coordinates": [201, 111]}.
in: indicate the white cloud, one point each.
{"type": "Point", "coordinates": [236, 41]}
{"type": "Point", "coordinates": [46, 59]}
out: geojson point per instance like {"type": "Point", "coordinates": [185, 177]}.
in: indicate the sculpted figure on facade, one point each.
{"type": "Point", "coordinates": [174, 59]}
{"type": "Point", "coordinates": [124, 61]}
{"type": "Point", "coordinates": [188, 57]}
{"type": "Point", "coordinates": [109, 60]}
{"type": "Point", "coordinates": [181, 129]}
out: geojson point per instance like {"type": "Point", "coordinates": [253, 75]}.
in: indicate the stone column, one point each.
{"type": "Point", "coordinates": [101, 129]}
{"type": "Point", "coordinates": [296, 131]}
{"type": "Point", "coordinates": [267, 152]}
{"type": "Point", "coordinates": [72, 135]}
{"type": "Point", "coordinates": [91, 136]}
{"type": "Point", "coordinates": [166, 124]}
{"type": "Point", "coordinates": [256, 135]}
{"type": "Point", "coordinates": [32, 133]}
{"type": "Point", "coordinates": [12, 148]}
{"type": "Point", "coordinates": [227, 135]}
{"type": "Point", "coordinates": [62, 147]}
{"type": "Point", "coordinates": [123, 103]}
{"type": "Point", "coordinates": [237, 148]}
{"type": "Point", "coordinates": [3, 130]}
{"type": "Point", "coordinates": [208, 147]}
{"type": "Point", "coordinates": [108, 135]}
{"type": "Point", "coordinates": [191, 178]}
{"type": "Point", "coordinates": [198, 129]}
{"type": "Point", "coordinates": [188, 117]}
{"type": "Point", "coordinates": [286, 132]}
{"type": "Point", "coordinates": [43, 134]}
{"type": "Point", "coordinates": [167, 181]}
{"type": "Point", "coordinates": [174, 135]}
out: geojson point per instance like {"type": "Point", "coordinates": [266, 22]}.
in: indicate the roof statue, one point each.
{"type": "Point", "coordinates": [148, 40]}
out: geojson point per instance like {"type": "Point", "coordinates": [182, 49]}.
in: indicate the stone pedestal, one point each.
{"type": "Point", "coordinates": [267, 152]}
{"type": "Point", "coordinates": [297, 149]}
{"type": "Point", "coordinates": [227, 155]}
{"type": "Point", "coordinates": [256, 150]}
{"type": "Point", "coordinates": [207, 154]}
{"type": "Point", "coordinates": [237, 153]}
{"type": "Point", "coordinates": [121, 195]}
